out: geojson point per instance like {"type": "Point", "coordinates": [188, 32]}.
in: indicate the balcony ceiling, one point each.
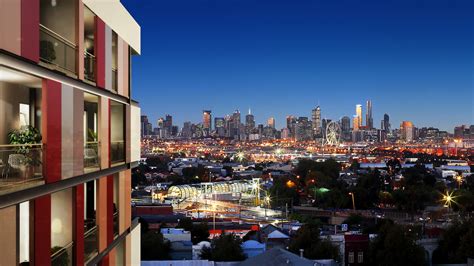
{"type": "Point", "coordinates": [16, 77]}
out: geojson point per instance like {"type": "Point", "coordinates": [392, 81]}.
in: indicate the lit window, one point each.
{"type": "Point", "coordinates": [351, 257]}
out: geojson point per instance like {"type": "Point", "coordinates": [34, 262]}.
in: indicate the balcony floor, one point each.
{"type": "Point", "coordinates": [12, 184]}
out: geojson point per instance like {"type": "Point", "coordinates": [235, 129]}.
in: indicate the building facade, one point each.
{"type": "Point", "coordinates": [316, 121]}
{"type": "Point", "coordinates": [69, 133]}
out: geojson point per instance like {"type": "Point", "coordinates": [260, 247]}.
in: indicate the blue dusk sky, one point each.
{"type": "Point", "coordinates": [413, 59]}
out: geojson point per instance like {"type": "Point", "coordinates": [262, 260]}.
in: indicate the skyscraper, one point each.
{"type": "Point", "coordinates": [359, 116]}
{"type": "Point", "coordinates": [355, 123]}
{"type": "Point", "coordinates": [290, 124]}
{"type": "Point", "coordinates": [303, 129]}
{"type": "Point", "coordinates": [316, 121]}
{"type": "Point", "coordinates": [186, 132]}
{"type": "Point", "coordinates": [385, 126]}
{"type": "Point", "coordinates": [271, 122]}
{"type": "Point", "coordinates": [407, 131]}
{"type": "Point", "coordinates": [219, 124]}
{"type": "Point", "coordinates": [207, 120]}
{"type": "Point", "coordinates": [235, 125]}
{"type": "Point", "coordinates": [64, 78]}
{"type": "Point", "coordinates": [369, 121]}
{"type": "Point", "coordinates": [249, 122]}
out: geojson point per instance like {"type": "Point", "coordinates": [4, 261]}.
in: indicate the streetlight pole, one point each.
{"type": "Point", "coordinates": [353, 201]}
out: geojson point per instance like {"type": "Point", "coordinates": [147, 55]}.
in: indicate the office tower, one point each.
{"type": "Point", "coordinates": [249, 122]}
{"type": "Point", "coordinates": [271, 122]}
{"type": "Point", "coordinates": [235, 125]}
{"type": "Point", "coordinates": [346, 127]}
{"type": "Point", "coordinates": [355, 123]}
{"type": "Point", "coordinates": [206, 122]}
{"type": "Point", "coordinates": [144, 125]}
{"type": "Point", "coordinates": [186, 132]}
{"type": "Point", "coordinates": [359, 115]}
{"type": "Point", "coordinates": [291, 124]}
{"type": "Point", "coordinates": [207, 119]}
{"type": "Point", "coordinates": [407, 131]}
{"type": "Point", "coordinates": [316, 116]}
{"type": "Point", "coordinates": [369, 121]}
{"type": "Point", "coordinates": [303, 129]}
{"type": "Point", "coordinates": [160, 124]}
{"type": "Point", "coordinates": [167, 126]}
{"type": "Point", "coordinates": [285, 133]}
{"type": "Point", "coordinates": [219, 124]}
{"type": "Point", "coordinates": [385, 126]}
{"type": "Point", "coordinates": [64, 81]}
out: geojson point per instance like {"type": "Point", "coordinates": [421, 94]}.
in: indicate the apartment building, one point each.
{"type": "Point", "coordinates": [69, 133]}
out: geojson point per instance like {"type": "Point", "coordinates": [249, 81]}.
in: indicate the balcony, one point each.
{"type": "Point", "coordinates": [62, 256]}
{"type": "Point", "coordinates": [114, 79]}
{"type": "Point", "coordinates": [91, 156]}
{"type": "Point", "coordinates": [57, 52]}
{"type": "Point", "coordinates": [20, 167]}
{"type": "Point", "coordinates": [89, 66]}
{"type": "Point", "coordinates": [90, 242]}
{"type": "Point", "coordinates": [117, 152]}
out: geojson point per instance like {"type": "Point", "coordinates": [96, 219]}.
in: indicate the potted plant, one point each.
{"type": "Point", "coordinates": [47, 51]}
{"type": "Point", "coordinates": [23, 139]}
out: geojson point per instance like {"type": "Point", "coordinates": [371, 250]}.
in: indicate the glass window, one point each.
{"type": "Point", "coordinates": [91, 138]}
{"type": "Point", "coordinates": [360, 257]}
{"type": "Point", "coordinates": [20, 131]}
{"type": "Point", "coordinates": [61, 227]}
{"type": "Point", "coordinates": [117, 132]}
{"type": "Point", "coordinates": [351, 257]}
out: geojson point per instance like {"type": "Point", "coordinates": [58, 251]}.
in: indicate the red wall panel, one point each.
{"type": "Point", "coordinates": [51, 127]}
{"type": "Point", "coordinates": [100, 52]}
{"type": "Point", "coordinates": [30, 19]}
{"type": "Point", "coordinates": [79, 225]}
{"type": "Point", "coordinates": [42, 231]}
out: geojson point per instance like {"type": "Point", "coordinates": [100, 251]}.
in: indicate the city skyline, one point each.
{"type": "Point", "coordinates": [280, 124]}
{"type": "Point", "coordinates": [286, 58]}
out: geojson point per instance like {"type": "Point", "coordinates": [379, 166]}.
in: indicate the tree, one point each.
{"type": "Point", "coordinates": [154, 246]}
{"type": "Point", "coordinates": [186, 224]}
{"type": "Point", "coordinates": [395, 246]}
{"type": "Point", "coordinates": [456, 244]}
{"type": "Point", "coordinates": [200, 232]}
{"type": "Point", "coordinates": [307, 238]}
{"type": "Point", "coordinates": [226, 247]}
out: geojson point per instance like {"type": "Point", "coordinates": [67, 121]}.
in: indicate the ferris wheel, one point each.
{"type": "Point", "coordinates": [333, 133]}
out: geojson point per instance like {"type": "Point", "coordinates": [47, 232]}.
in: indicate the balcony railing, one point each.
{"type": "Point", "coordinates": [20, 167]}
{"type": "Point", "coordinates": [117, 151]}
{"type": "Point", "coordinates": [90, 243]}
{"type": "Point", "coordinates": [57, 50]}
{"type": "Point", "coordinates": [89, 66]}
{"type": "Point", "coordinates": [91, 156]}
{"type": "Point", "coordinates": [114, 80]}
{"type": "Point", "coordinates": [62, 256]}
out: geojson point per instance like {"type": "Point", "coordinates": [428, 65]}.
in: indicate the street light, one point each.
{"type": "Point", "coordinates": [448, 199]}
{"type": "Point", "coordinates": [267, 201]}
{"type": "Point", "coordinates": [353, 201]}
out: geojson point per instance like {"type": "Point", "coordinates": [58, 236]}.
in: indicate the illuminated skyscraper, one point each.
{"type": "Point", "coordinates": [356, 123]}
{"type": "Point", "coordinates": [271, 122]}
{"type": "Point", "coordinates": [207, 120]}
{"type": "Point", "coordinates": [290, 124]}
{"type": "Point", "coordinates": [407, 131]}
{"type": "Point", "coordinates": [249, 122]}
{"type": "Point", "coordinates": [316, 121]}
{"type": "Point", "coordinates": [359, 116]}
{"type": "Point", "coordinates": [369, 121]}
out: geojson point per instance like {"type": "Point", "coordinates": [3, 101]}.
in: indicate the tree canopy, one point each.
{"type": "Point", "coordinates": [226, 247]}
